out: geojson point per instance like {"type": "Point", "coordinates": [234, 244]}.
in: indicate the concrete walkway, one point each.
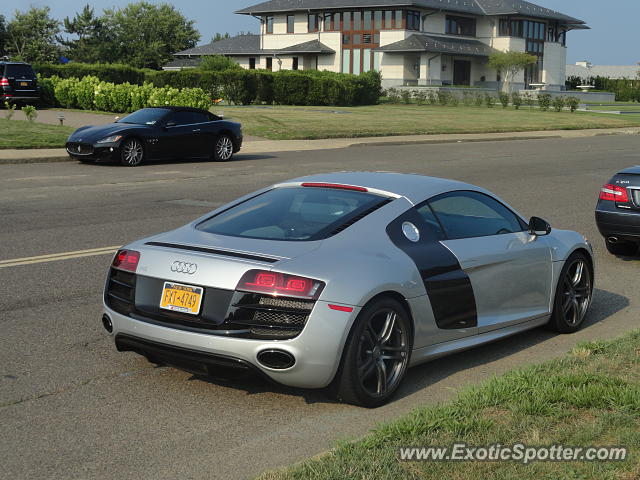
{"type": "Point", "coordinates": [261, 146]}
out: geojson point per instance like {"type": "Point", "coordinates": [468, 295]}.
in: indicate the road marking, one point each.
{"type": "Point", "coordinates": [55, 257]}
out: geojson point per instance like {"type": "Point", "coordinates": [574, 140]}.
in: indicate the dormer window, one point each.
{"type": "Point", "coordinates": [413, 20]}
{"type": "Point", "coordinates": [460, 26]}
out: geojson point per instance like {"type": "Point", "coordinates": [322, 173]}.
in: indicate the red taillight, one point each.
{"type": "Point", "coordinates": [4, 82]}
{"type": "Point", "coordinates": [274, 283]}
{"type": "Point", "coordinates": [614, 193]}
{"type": "Point", "coordinates": [335, 185]}
{"type": "Point", "coordinates": [126, 260]}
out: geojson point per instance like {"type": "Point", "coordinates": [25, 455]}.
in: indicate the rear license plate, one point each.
{"type": "Point", "coordinates": [181, 298]}
{"type": "Point", "coordinates": [24, 84]}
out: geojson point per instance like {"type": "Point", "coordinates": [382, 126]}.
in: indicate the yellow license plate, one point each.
{"type": "Point", "coordinates": [181, 298]}
{"type": "Point", "coordinates": [23, 84]}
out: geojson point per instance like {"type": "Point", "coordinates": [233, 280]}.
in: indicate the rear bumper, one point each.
{"type": "Point", "coordinates": [18, 97]}
{"type": "Point", "coordinates": [317, 350]}
{"type": "Point", "coordinates": [623, 224]}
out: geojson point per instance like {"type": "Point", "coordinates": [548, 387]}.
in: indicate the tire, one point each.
{"type": "Point", "coordinates": [366, 378]}
{"type": "Point", "coordinates": [223, 148]}
{"type": "Point", "coordinates": [132, 152]}
{"type": "Point", "coordinates": [627, 249]}
{"type": "Point", "coordinates": [573, 294]}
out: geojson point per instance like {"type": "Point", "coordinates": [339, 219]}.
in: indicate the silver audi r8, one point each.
{"type": "Point", "coordinates": [345, 279]}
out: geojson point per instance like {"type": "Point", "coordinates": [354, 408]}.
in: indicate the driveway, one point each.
{"type": "Point", "coordinates": [72, 407]}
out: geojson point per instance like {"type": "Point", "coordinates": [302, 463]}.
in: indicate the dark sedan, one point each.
{"type": "Point", "coordinates": [618, 212]}
{"type": "Point", "coordinates": [158, 133]}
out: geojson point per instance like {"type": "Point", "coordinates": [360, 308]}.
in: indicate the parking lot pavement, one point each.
{"type": "Point", "coordinates": [71, 407]}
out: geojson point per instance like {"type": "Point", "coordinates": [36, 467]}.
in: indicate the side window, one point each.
{"type": "Point", "coordinates": [188, 118]}
{"type": "Point", "coordinates": [430, 219]}
{"type": "Point", "coordinates": [472, 214]}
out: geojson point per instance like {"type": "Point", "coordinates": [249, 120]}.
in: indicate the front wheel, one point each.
{"type": "Point", "coordinates": [131, 153]}
{"type": "Point", "coordinates": [223, 149]}
{"type": "Point", "coordinates": [573, 294]}
{"type": "Point", "coordinates": [376, 355]}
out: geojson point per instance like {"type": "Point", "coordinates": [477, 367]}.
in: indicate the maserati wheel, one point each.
{"type": "Point", "coordinates": [376, 355]}
{"type": "Point", "coordinates": [573, 295]}
{"type": "Point", "coordinates": [132, 153]}
{"type": "Point", "coordinates": [223, 150]}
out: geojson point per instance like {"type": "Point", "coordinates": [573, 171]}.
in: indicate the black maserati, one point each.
{"type": "Point", "coordinates": [158, 133]}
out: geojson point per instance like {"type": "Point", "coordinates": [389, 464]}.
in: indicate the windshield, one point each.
{"type": "Point", "coordinates": [293, 213]}
{"type": "Point", "coordinates": [146, 116]}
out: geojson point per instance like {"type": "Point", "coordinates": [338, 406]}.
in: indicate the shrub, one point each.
{"type": "Point", "coordinates": [65, 92]}
{"type": "Point", "coordinates": [393, 95]}
{"type": "Point", "coordinates": [544, 101]}
{"type": "Point", "coordinates": [433, 98]}
{"type": "Point", "coordinates": [10, 110]}
{"type": "Point", "coordinates": [572, 103]}
{"type": "Point", "coordinates": [239, 86]}
{"type": "Point", "coordinates": [140, 96]}
{"type": "Point", "coordinates": [467, 99]}
{"type": "Point", "coordinates": [489, 100]}
{"type": "Point", "coordinates": [102, 96]}
{"type": "Point", "coordinates": [47, 90]}
{"type": "Point", "coordinates": [85, 92]}
{"type": "Point", "coordinates": [406, 96]}
{"type": "Point", "coordinates": [530, 100]}
{"type": "Point", "coordinates": [291, 88]}
{"type": "Point", "coordinates": [479, 100]}
{"type": "Point", "coordinates": [421, 97]}
{"type": "Point", "coordinates": [516, 100]}
{"type": "Point", "coordinates": [115, 73]}
{"type": "Point", "coordinates": [504, 99]}
{"type": "Point", "coordinates": [264, 84]}
{"type": "Point", "coordinates": [454, 101]}
{"type": "Point", "coordinates": [558, 103]}
{"type": "Point", "coordinates": [121, 98]}
{"type": "Point", "coordinates": [30, 112]}
{"type": "Point", "coordinates": [218, 63]}
{"type": "Point", "coordinates": [443, 97]}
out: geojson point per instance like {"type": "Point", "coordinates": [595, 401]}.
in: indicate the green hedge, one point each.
{"type": "Point", "coordinates": [90, 93]}
{"type": "Point", "coordinates": [309, 87]}
{"type": "Point", "coordinates": [626, 90]}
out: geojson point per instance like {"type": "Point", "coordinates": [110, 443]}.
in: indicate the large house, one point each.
{"type": "Point", "coordinates": [419, 42]}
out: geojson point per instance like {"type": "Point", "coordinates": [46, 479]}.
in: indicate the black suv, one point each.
{"type": "Point", "coordinates": [18, 83]}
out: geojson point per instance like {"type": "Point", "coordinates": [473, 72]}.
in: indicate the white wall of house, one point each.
{"type": "Point", "coordinates": [554, 66]}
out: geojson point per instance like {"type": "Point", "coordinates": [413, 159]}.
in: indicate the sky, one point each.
{"type": "Point", "coordinates": [614, 38]}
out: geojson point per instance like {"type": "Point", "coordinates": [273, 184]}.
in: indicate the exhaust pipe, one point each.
{"type": "Point", "coordinates": [612, 240]}
{"type": "Point", "coordinates": [276, 359]}
{"type": "Point", "coordinates": [106, 323]}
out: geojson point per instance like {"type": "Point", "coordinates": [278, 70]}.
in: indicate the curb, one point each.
{"type": "Point", "coordinates": [466, 140]}
{"type": "Point", "coordinates": [23, 161]}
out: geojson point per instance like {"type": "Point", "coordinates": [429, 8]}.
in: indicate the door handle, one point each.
{"type": "Point", "coordinates": [196, 130]}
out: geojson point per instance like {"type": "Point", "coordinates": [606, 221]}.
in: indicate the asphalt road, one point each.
{"type": "Point", "coordinates": [71, 407]}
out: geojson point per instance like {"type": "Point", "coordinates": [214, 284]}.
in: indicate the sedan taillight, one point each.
{"type": "Point", "coordinates": [4, 82]}
{"type": "Point", "coordinates": [274, 283]}
{"type": "Point", "coordinates": [614, 193]}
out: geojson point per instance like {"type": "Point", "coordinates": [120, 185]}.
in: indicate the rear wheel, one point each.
{"type": "Point", "coordinates": [376, 355]}
{"type": "Point", "coordinates": [573, 294]}
{"type": "Point", "coordinates": [622, 248]}
{"type": "Point", "coordinates": [131, 153]}
{"type": "Point", "coordinates": [223, 149]}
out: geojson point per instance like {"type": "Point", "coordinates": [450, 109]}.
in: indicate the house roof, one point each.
{"type": "Point", "coordinates": [250, 45]}
{"type": "Point", "coordinates": [437, 44]}
{"type": "Point", "coordinates": [609, 71]}
{"type": "Point", "coordinates": [182, 63]}
{"type": "Point", "coordinates": [477, 7]}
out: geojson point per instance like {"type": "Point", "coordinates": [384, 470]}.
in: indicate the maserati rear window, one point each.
{"type": "Point", "coordinates": [294, 213]}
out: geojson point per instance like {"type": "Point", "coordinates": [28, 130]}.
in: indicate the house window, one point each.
{"type": "Point", "coordinates": [461, 26]}
{"type": "Point", "coordinates": [269, 63]}
{"type": "Point", "coordinates": [368, 18]}
{"type": "Point", "coordinates": [377, 18]}
{"type": "Point", "coordinates": [269, 23]}
{"type": "Point", "coordinates": [503, 28]}
{"type": "Point", "coordinates": [313, 23]}
{"type": "Point", "coordinates": [252, 63]}
{"type": "Point", "coordinates": [295, 64]}
{"type": "Point", "coordinates": [413, 20]}
{"type": "Point", "coordinates": [346, 21]}
{"type": "Point", "coordinates": [336, 21]}
{"type": "Point", "coordinates": [388, 19]}
{"type": "Point", "coordinates": [291, 23]}
{"type": "Point", "coordinates": [398, 17]}
{"type": "Point", "coordinates": [326, 22]}
{"type": "Point", "coordinates": [357, 20]}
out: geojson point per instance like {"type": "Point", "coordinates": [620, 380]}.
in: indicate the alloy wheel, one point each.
{"type": "Point", "coordinates": [224, 148]}
{"type": "Point", "coordinates": [576, 292]}
{"type": "Point", "coordinates": [383, 353]}
{"type": "Point", "coordinates": [132, 153]}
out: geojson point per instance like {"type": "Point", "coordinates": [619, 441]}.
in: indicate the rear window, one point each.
{"type": "Point", "coordinates": [19, 71]}
{"type": "Point", "coordinates": [294, 214]}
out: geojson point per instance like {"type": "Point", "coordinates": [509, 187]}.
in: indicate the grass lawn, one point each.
{"type": "Point", "coordinates": [590, 397]}
{"type": "Point", "coordinates": [279, 123]}
{"type": "Point", "coordinates": [617, 108]}
{"type": "Point", "coordinates": [22, 134]}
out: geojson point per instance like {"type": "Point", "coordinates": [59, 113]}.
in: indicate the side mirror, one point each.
{"type": "Point", "coordinates": [539, 227]}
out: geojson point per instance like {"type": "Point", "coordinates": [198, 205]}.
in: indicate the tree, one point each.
{"type": "Point", "coordinates": [220, 36]}
{"type": "Point", "coordinates": [218, 63]}
{"type": "Point", "coordinates": [94, 42]}
{"type": "Point", "coordinates": [3, 36]}
{"type": "Point", "coordinates": [510, 63]}
{"type": "Point", "coordinates": [31, 36]}
{"type": "Point", "coordinates": [148, 35]}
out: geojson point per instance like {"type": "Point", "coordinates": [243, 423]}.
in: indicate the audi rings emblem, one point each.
{"type": "Point", "coordinates": [184, 267]}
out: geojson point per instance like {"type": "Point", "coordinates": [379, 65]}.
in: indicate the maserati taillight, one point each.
{"type": "Point", "coordinates": [614, 193]}
{"type": "Point", "coordinates": [275, 283]}
{"type": "Point", "coordinates": [4, 82]}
